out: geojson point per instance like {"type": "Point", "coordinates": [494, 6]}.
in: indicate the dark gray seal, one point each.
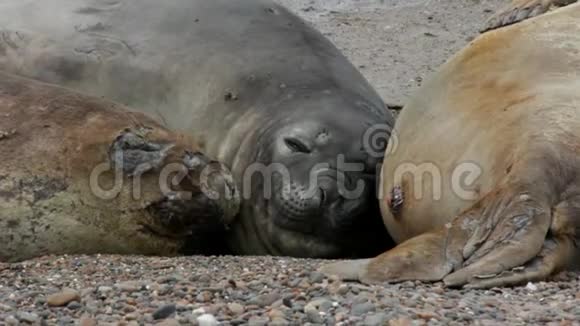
{"type": "Point", "coordinates": [264, 89]}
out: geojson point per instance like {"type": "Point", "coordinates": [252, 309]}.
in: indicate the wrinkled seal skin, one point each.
{"type": "Point", "coordinates": [519, 10]}
{"type": "Point", "coordinates": [58, 145]}
{"type": "Point", "coordinates": [501, 118]}
{"type": "Point", "coordinates": [254, 80]}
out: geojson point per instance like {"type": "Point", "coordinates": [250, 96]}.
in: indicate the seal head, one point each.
{"type": "Point", "coordinates": [311, 188]}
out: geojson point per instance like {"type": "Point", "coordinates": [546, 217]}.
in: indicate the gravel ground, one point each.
{"type": "Point", "coordinates": [256, 291]}
{"type": "Point", "coordinates": [395, 43]}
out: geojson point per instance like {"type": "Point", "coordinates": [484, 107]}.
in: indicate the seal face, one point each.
{"type": "Point", "coordinates": [81, 175]}
{"type": "Point", "coordinates": [311, 188]}
{"type": "Point", "coordinates": [263, 89]}
{"type": "Point", "coordinates": [500, 205]}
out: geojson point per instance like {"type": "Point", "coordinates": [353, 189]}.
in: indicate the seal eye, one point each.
{"type": "Point", "coordinates": [296, 145]}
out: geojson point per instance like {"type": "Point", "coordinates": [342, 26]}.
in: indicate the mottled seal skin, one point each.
{"type": "Point", "coordinates": [493, 141]}
{"type": "Point", "coordinates": [519, 10]}
{"type": "Point", "coordinates": [82, 175]}
{"type": "Point", "coordinates": [256, 82]}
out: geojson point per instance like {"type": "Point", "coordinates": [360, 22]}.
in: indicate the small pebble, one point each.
{"type": "Point", "coordinates": [129, 286]}
{"type": "Point", "coordinates": [170, 322]}
{"type": "Point", "coordinates": [279, 322]}
{"type": "Point", "coordinates": [11, 321]}
{"type": "Point", "coordinates": [236, 308]}
{"type": "Point", "coordinates": [377, 319]}
{"type": "Point", "coordinates": [63, 298]}
{"type": "Point", "coordinates": [264, 300]}
{"type": "Point", "coordinates": [316, 277]}
{"type": "Point", "coordinates": [258, 321]}
{"type": "Point", "coordinates": [531, 287]}
{"type": "Point", "coordinates": [207, 320]}
{"type": "Point", "coordinates": [164, 311]}
{"type": "Point", "coordinates": [87, 321]}
{"type": "Point", "coordinates": [319, 304]}
{"type": "Point", "coordinates": [199, 311]}
{"type": "Point", "coordinates": [74, 305]}
{"type": "Point", "coordinates": [362, 308]}
{"type": "Point", "coordinates": [27, 317]}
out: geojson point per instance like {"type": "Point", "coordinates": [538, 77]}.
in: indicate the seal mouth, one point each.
{"type": "Point", "coordinates": [256, 233]}
{"type": "Point", "coordinates": [293, 226]}
{"type": "Point", "coordinates": [295, 236]}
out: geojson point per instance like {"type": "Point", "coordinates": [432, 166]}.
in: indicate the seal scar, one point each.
{"type": "Point", "coordinates": [135, 154]}
{"type": "Point", "coordinates": [396, 199]}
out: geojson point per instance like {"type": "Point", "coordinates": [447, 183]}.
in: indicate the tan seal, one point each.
{"type": "Point", "coordinates": [81, 175]}
{"type": "Point", "coordinates": [483, 188]}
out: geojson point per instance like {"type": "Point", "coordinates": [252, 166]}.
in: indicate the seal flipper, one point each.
{"type": "Point", "coordinates": [509, 232]}
{"type": "Point", "coordinates": [557, 252]}
{"type": "Point", "coordinates": [504, 230]}
{"type": "Point", "coordinates": [427, 257]}
{"type": "Point", "coordinates": [551, 259]}
{"type": "Point", "coordinates": [519, 10]}
{"type": "Point", "coordinates": [347, 270]}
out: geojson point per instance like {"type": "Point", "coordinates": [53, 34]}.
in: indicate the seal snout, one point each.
{"type": "Point", "coordinates": [316, 204]}
{"type": "Point", "coordinates": [199, 198]}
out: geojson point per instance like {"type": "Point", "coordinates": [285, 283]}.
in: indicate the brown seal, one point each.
{"type": "Point", "coordinates": [481, 185]}
{"type": "Point", "coordinates": [81, 175]}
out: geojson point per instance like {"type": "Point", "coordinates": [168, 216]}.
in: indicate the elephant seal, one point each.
{"type": "Point", "coordinates": [481, 187]}
{"type": "Point", "coordinates": [82, 175]}
{"type": "Point", "coordinates": [271, 96]}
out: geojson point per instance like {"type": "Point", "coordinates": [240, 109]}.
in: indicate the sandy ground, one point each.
{"type": "Point", "coordinates": [396, 44]}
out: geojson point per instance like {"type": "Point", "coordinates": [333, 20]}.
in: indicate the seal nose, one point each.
{"type": "Point", "coordinates": [215, 181]}
{"type": "Point", "coordinates": [318, 204]}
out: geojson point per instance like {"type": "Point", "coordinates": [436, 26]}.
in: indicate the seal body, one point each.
{"type": "Point", "coordinates": [270, 96]}
{"type": "Point", "coordinates": [486, 163]}
{"type": "Point", "coordinates": [81, 175]}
